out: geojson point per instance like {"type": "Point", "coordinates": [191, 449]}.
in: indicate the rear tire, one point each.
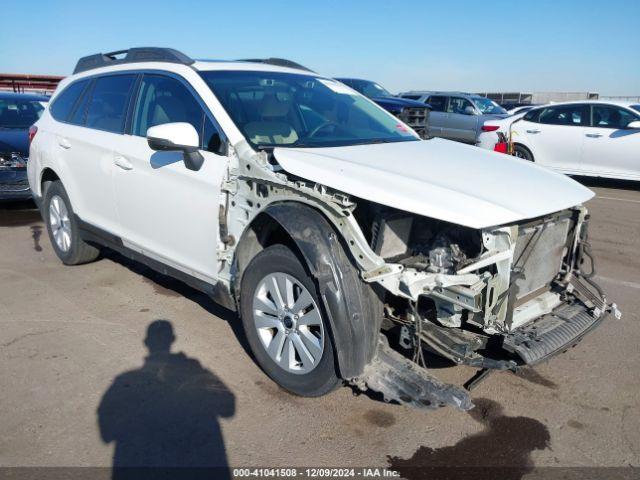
{"type": "Point", "coordinates": [522, 152]}
{"type": "Point", "coordinates": [62, 226]}
{"type": "Point", "coordinates": [290, 338]}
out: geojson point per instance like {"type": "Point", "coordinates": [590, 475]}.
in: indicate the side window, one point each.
{"type": "Point", "coordinates": [458, 105]}
{"type": "Point", "coordinates": [64, 102]}
{"type": "Point", "coordinates": [79, 114]}
{"type": "Point", "coordinates": [572, 115]}
{"type": "Point", "coordinates": [211, 139]}
{"type": "Point", "coordinates": [164, 100]}
{"type": "Point", "coordinates": [609, 116]}
{"type": "Point", "coordinates": [437, 103]}
{"type": "Point", "coordinates": [532, 115]}
{"type": "Point", "coordinates": [107, 107]}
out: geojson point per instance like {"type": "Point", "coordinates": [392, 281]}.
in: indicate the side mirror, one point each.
{"type": "Point", "coordinates": [469, 110]}
{"type": "Point", "coordinates": [177, 137]}
{"type": "Point", "coordinates": [635, 125]}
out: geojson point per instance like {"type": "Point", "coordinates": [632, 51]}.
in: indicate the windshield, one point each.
{"type": "Point", "coordinates": [487, 106]}
{"type": "Point", "coordinates": [370, 89]}
{"type": "Point", "coordinates": [284, 109]}
{"type": "Point", "coordinates": [636, 107]}
{"type": "Point", "coordinates": [19, 113]}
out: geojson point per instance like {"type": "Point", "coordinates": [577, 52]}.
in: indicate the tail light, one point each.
{"type": "Point", "coordinates": [32, 133]}
{"type": "Point", "coordinates": [501, 147]}
{"type": "Point", "coordinates": [490, 128]}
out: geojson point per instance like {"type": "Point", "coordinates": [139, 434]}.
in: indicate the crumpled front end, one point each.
{"type": "Point", "coordinates": [496, 298]}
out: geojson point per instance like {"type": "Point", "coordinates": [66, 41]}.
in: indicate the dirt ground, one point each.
{"type": "Point", "coordinates": [79, 386]}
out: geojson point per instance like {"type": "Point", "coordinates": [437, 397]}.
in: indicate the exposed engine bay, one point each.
{"type": "Point", "coordinates": [462, 289]}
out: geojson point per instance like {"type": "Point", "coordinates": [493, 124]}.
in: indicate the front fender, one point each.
{"type": "Point", "coordinates": [352, 307]}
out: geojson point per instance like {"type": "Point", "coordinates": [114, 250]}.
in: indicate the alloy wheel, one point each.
{"type": "Point", "coordinates": [60, 223]}
{"type": "Point", "coordinates": [289, 323]}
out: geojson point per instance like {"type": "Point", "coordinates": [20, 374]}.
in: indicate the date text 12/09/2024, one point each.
{"type": "Point", "coordinates": [312, 473]}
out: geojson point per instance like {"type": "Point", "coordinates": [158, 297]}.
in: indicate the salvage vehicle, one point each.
{"type": "Point", "coordinates": [596, 138]}
{"type": "Point", "coordinates": [415, 114]}
{"type": "Point", "coordinates": [457, 116]}
{"type": "Point", "coordinates": [346, 243]}
{"type": "Point", "coordinates": [18, 111]}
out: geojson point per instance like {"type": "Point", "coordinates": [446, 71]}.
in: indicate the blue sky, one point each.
{"type": "Point", "coordinates": [469, 45]}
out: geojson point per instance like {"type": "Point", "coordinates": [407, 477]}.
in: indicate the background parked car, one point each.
{"type": "Point", "coordinates": [457, 115]}
{"type": "Point", "coordinates": [519, 109]}
{"type": "Point", "coordinates": [593, 138]}
{"type": "Point", "coordinates": [17, 113]}
{"type": "Point", "coordinates": [415, 114]}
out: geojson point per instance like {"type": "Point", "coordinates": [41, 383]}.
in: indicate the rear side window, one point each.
{"type": "Point", "coordinates": [64, 102]}
{"type": "Point", "coordinates": [80, 110]}
{"type": "Point", "coordinates": [107, 107]}
{"type": "Point", "coordinates": [165, 100]}
{"type": "Point", "coordinates": [609, 116]}
{"type": "Point", "coordinates": [572, 115]}
{"type": "Point", "coordinates": [438, 103]}
{"type": "Point", "coordinates": [411, 97]}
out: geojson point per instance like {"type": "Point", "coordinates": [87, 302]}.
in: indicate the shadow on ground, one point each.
{"type": "Point", "coordinates": [163, 418]}
{"type": "Point", "coordinates": [19, 214]}
{"type": "Point", "coordinates": [501, 451]}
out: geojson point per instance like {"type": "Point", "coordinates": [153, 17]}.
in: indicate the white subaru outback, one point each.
{"type": "Point", "coordinates": [347, 244]}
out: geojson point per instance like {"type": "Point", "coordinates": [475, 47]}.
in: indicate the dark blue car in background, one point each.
{"type": "Point", "coordinates": [413, 113]}
{"type": "Point", "coordinates": [18, 111]}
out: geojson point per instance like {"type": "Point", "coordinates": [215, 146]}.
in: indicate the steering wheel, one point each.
{"type": "Point", "coordinates": [322, 126]}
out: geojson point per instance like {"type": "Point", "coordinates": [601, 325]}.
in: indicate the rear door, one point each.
{"type": "Point", "coordinates": [555, 136]}
{"type": "Point", "coordinates": [168, 212]}
{"type": "Point", "coordinates": [609, 147]}
{"type": "Point", "coordinates": [462, 120]}
{"type": "Point", "coordinates": [438, 115]}
{"type": "Point", "coordinates": [86, 144]}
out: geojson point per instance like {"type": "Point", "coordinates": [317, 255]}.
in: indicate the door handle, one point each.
{"type": "Point", "coordinates": [123, 163]}
{"type": "Point", "coordinates": [533, 131]}
{"type": "Point", "coordinates": [593, 135]}
{"type": "Point", "coordinates": [64, 143]}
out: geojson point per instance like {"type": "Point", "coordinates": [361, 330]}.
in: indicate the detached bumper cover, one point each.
{"type": "Point", "coordinates": [552, 334]}
{"type": "Point", "coordinates": [561, 329]}
{"type": "Point", "coordinates": [399, 379]}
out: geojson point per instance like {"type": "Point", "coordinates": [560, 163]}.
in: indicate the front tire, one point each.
{"type": "Point", "coordinates": [62, 226]}
{"type": "Point", "coordinates": [285, 324]}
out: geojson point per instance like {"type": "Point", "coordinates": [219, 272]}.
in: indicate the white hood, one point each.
{"type": "Point", "coordinates": [440, 179]}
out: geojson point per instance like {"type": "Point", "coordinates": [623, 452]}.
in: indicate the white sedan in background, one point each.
{"type": "Point", "coordinates": [593, 138]}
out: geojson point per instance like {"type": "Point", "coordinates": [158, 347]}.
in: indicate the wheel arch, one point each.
{"type": "Point", "coordinates": [522, 145]}
{"type": "Point", "coordinates": [349, 304]}
{"type": "Point", "coordinates": [47, 176]}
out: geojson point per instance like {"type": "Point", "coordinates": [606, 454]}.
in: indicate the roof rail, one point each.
{"type": "Point", "coordinates": [279, 62]}
{"type": "Point", "coordinates": [132, 55]}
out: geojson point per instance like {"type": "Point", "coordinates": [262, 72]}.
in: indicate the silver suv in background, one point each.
{"type": "Point", "coordinates": [457, 115]}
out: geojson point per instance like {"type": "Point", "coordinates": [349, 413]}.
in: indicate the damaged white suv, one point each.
{"type": "Point", "coordinates": [347, 244]}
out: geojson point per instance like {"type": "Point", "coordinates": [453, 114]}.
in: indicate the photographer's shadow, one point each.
{"type": "Point", "coordinates": [165, 414]}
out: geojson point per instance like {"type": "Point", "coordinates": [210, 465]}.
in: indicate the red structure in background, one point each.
{"type": "Point", "coordinates": [21, 83]}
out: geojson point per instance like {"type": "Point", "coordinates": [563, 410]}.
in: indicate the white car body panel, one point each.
{"type": "Point", "coordinates": [575, 150]}
{"type": "Point", "coordinates": [166, 210]}
{"type": "Point", "coordinates": [555, 146]}
{"type": "Point", "coordinates": [439, 179]}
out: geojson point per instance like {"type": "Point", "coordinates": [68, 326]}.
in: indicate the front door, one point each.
{"type": "Point", "coordinates": [168, 212]}
{"type": "Point", "coordinates": [462, 120]}
{"type": "Point", "coordinates": [609, 147]}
